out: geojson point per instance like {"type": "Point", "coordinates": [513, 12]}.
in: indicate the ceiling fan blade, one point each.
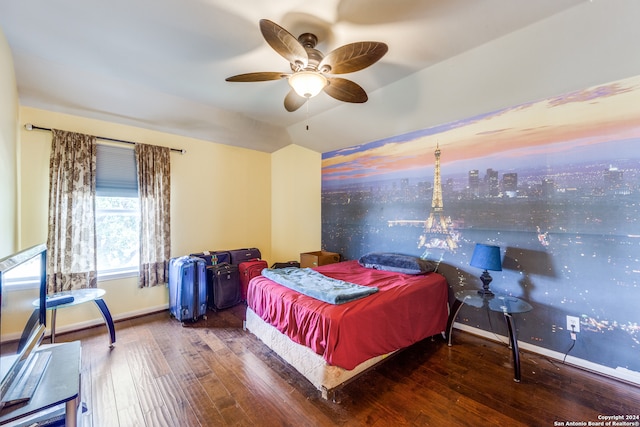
{"type": "Point", "coordinates": [352, 57]}
{"type": "Point", "coordinates": [284, 43]}
{"type": "Point", "coordinates": [293, 101]}
{"type": "Point", "coordinates": [257, 77]}
{"type": "Point", "coordinates": [345, 90]}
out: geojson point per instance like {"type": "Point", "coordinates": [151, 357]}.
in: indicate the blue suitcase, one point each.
{"type": "Point", "coordinates": [187, 288]}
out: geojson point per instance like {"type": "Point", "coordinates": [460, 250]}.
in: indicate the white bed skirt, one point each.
{"type": "Point", "coordinates": [312, 366]}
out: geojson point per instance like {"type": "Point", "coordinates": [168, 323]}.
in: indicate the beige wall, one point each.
{"type": "Point", "coordinates": [220, 198]}
{"type": "Point", "coordinates": [296, 207]}
{"type": "Point", "coordinates": [8, 148]}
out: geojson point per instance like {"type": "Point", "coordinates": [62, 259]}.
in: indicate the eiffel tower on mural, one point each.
{"type": "Point", "coordinates": [437, 227]}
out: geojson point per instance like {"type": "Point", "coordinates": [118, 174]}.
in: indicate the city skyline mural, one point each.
{"type": "Point", "coordinates": [555, 183]}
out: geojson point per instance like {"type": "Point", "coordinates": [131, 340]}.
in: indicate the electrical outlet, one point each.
{"type": "Point", "coordinates": [573, 324]}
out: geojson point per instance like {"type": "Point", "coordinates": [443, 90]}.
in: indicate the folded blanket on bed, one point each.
{"type": "Point", "coordinates": [313, 284]}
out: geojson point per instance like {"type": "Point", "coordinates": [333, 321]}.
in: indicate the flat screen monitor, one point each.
{"type": "Point", "coordinates": [23, 314]}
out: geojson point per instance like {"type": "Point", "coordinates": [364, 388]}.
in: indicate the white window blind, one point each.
{"type": "Point", "coordinates": [116, 172]}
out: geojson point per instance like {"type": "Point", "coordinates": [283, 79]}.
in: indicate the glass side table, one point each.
{"type": "Point", "coordinates": [80, 296]}
{"type": "Point", "coordinates": [505, 304]}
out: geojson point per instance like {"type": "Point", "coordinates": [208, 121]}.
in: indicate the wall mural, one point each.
{"type": "Point", "coordinates": [554, 183]}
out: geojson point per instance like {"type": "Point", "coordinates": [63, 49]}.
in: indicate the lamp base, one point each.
{"type": "Point", "coordinates": [486, 280]}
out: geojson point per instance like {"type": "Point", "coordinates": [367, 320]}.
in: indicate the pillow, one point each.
{"type": "Point", "coordinates": [398, 263]}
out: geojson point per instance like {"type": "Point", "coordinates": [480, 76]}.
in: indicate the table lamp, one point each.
{"type": "Point", "coordinates": [486, 257]}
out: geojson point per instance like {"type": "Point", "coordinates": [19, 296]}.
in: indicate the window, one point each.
{"type": "Point", "coordinates": [24, 276]}
{"type": "Point", "coordinates": [117, 212]}
{"type": "Point", "coordinates": [117, 234]}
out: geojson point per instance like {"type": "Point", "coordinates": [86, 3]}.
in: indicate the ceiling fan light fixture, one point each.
{"type": "Point", "coordinates": [310, 66]}
{"type": "Point", "coordinates": [307, 83]}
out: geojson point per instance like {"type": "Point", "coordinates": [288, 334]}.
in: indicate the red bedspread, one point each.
{"type": "Point", "coordinates": [406, 310]}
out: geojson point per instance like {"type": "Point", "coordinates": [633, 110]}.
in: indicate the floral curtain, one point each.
{"type": "Point", "coordinates": [71, 240]}
{"type": "Point", "coordinates": [155, 219]}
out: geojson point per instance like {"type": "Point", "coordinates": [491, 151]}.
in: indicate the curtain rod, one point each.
{"type": "Point", "coordinates": [29, 126]}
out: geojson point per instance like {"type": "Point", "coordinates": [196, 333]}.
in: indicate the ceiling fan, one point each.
{"type": "Point", "coordinates": [311, 69]}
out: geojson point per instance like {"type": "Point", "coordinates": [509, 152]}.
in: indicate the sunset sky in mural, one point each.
{"type": "Point", "coordinates": [591, 118]}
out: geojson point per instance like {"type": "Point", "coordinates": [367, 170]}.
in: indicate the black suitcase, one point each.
{"type": "Point", "coordinates": [223, 286]}
{"type": "Point", "coordinates": [214, 257]}
{"type": "Point", "coordinates": [242, 255]}
{"type": "Point", "coordinates": [295, 264]}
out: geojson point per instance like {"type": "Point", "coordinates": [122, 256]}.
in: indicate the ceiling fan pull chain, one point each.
{"type": "Point", "coordinates": [308, 101]}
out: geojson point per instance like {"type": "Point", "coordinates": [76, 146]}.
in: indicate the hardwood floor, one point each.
{"type": "Point", "coordinates": [213, 373]}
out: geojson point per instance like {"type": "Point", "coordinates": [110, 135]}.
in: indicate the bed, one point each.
{"type": "Point", "coordinates": [331, 344]}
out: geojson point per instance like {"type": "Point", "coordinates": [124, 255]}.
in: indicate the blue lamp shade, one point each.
{"type": "Point", "coordinates": [486, 257]}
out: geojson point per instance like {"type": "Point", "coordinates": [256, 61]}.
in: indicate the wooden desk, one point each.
{"type": "Point", "coordinates": [60, 384]}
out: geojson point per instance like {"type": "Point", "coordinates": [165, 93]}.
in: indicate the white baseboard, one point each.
{"type": "Point", "coordinates": [15, 336]}
{"type": "Point", "coordinates": [622, 374]}
{"type": "Point", "coordinates": [100, 321]}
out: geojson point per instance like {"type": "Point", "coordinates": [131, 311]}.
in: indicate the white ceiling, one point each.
{"type": "Point", "coordinates": [162, 64]}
